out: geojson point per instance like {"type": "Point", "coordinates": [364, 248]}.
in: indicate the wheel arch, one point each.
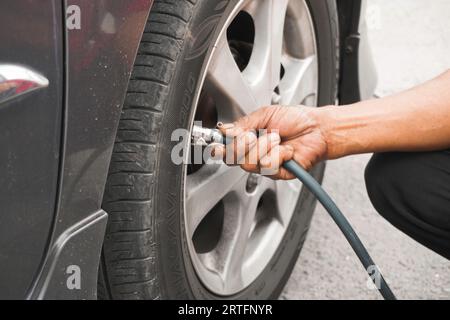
{"type": "Point", "coordinates": [357, 73]}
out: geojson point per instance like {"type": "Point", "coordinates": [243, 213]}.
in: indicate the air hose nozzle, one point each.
{"type": "Point", "coordinates": [205, 136]}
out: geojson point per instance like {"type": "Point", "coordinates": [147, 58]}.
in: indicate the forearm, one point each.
{"type": "Point", "coordinates": [415, 120]}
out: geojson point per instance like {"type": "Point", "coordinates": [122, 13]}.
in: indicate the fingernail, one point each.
{"type": "Point", "coordinates": [225, 126]}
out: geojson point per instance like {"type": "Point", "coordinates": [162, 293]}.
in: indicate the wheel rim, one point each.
{"type": "Point", "coordinates": [235, 221]}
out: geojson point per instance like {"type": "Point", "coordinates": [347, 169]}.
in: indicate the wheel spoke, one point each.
{"type": "Point", "coordinates": [263, 71]}
{"type": "Point", "coordinates": [299, 81]}
{"type": "Point", "coordinates": [234, 262]}
{"type": "Point", "coordinates": [226, 82]}
{"type": "Point", "coordinates": [206, 188]}
{"type": "Point", "coordinates": [287, 195]}
{"type": "Point", "coordinates": [251, 230]}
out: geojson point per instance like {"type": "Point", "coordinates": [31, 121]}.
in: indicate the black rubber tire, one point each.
{"type": "Point", "coordinates": [145, 255]}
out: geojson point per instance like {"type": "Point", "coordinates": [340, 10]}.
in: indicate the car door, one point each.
{"type": "Point", "coordinates": [31, 100]}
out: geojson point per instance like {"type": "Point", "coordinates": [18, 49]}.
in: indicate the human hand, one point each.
{"type": "Point", "coordinates": [288, 133]}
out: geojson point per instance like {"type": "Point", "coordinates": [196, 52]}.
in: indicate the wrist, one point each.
{"type": "Point", "coordinates": [328, 124]}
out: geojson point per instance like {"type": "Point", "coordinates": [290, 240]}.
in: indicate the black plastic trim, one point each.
{"type": "Point", "coordinates": [349, 19]}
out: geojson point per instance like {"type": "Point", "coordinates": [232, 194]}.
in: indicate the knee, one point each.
{"type": "Point", "coordinates": [380, 177]}
{"type": "Point", "coordinates": [375, 174]}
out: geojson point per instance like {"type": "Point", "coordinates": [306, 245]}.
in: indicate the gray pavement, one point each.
{"type": "Point", "coordinates": [411, 44]}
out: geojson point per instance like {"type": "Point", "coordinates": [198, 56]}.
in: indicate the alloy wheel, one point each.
{"type": "Point", "coordinates": [235, 221]}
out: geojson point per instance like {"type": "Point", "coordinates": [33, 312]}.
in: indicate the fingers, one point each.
{"type": "Point", "coordinates": [247, 150]}
{"type": "Point", "coordinates": [255, 121]}
{"type": "Point", "coordinates": [264, 155]}
{"type": "Point", "coordinates": [263, 146]}
{"type": "Point", "coordinates": [235, 152]}
{"type": "Point", "coordinates": [271, 164]}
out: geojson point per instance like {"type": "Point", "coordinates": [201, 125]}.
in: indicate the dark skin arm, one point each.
{"type": "Point", "coordinates": [414, 120]}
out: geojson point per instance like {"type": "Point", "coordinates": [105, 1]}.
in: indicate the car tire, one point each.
{"type": "Point", "coordinates": [145, 252]}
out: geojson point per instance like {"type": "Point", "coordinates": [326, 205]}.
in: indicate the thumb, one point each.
{"type": "Point", "coordinates": [303, 161]}
{"type": "Point", "coordinates": [252, 122]}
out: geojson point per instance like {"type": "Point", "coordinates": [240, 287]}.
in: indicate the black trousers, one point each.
{"type": "Point", "coordinates": [412, 191]}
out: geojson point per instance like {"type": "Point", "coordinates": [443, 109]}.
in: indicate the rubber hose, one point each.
{"type": "Point", "coordinates": [351, 236]}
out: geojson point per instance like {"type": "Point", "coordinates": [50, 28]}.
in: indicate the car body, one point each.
{"type": "Point", "coordinates": [62, 87]}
